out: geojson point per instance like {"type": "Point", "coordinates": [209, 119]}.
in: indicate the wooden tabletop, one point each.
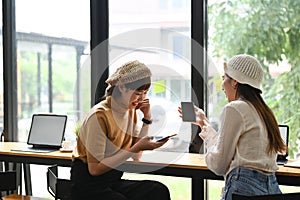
{"type": "Point", "coordinates": [151, 158]}
{"type": "Point", "coordinates": [22, 197]}
{"type": "Point", "coordinates": [6, 149]}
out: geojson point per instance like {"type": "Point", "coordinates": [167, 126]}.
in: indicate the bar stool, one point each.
{"type": "Point", "coordinates": [8, 185]}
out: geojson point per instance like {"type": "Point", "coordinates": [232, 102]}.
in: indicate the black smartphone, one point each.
{"type": "Point", "coordinates": [188, 112]}
{"type": "Point", "coordinates": [165, 138]}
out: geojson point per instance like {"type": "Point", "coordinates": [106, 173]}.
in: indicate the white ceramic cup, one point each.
{"type": "Point", "coordinates": [66, 144]}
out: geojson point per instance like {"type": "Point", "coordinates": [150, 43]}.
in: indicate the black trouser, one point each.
{"type": "Point", "coordinates": [110, 186]}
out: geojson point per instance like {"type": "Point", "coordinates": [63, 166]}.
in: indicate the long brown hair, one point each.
{"type": "Point", "coordinates": [253, 96]}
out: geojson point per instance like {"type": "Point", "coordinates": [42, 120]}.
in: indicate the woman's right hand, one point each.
{"type": "Point", "coordinates": [146, 143]}
{"type": "Point", "coordinates": [200, 117]}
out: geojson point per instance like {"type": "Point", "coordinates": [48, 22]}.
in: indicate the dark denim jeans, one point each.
{"type": "Point", "coordinates": [249, 182]}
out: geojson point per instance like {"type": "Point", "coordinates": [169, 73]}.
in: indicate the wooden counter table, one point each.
{"type": "Point", "coordinates": [55, 157]}
{"type": "Point", "coordinates": [16, 196]}
{"type": "Point", "coordinates": [178, 164]}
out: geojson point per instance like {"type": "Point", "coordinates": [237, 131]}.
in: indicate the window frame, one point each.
{"type": "Point", "coordinates": [100, 33]}
{"type": "Point", "coordinates": [10, 126]}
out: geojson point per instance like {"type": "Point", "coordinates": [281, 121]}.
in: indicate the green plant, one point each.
{"type": "Point", "coordinates": [76, 130]}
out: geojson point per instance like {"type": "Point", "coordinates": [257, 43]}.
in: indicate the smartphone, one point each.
{"type": "Point", "coordinates": [165, 138]}
{"type": "Point", "coordinates": [188, 112]}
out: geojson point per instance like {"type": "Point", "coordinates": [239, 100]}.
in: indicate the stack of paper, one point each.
{"type": "Point", "coordinates": [293, 164]}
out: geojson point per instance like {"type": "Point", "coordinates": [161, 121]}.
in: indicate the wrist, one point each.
{"type": "Point", "coordinates": [134, 149]}
{"type": "Point", "coordinates": [147, 120]}
{"type": "Point", "coordinates": [147, 116]}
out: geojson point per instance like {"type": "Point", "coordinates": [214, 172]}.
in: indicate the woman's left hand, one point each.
{"type": "Point", "coordinates": [144, 106]}
{"type": "Point", "coordinates": [199, 113]}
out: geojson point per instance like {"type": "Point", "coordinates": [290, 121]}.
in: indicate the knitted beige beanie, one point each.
{"type": "Point", "coordinates": [245, 69]}
{"type": "Point", "coordinates": [129, 72]}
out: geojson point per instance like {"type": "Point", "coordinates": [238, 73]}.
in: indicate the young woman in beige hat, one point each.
{"type": "Point", "coordinates": [109, 135]}
{"type": "Point", "coordinates": [244, 150]}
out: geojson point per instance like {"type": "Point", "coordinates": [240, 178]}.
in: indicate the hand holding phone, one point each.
{"type": "Point", "coordinates": [165, 138]}
{"type": "Point", "coordinates": [188, 112]}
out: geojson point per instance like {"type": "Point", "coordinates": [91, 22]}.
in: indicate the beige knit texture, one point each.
{"type": "Point", "coordinates": [245, 69]}
{"type": "Point", "coordinates": [128, 73]}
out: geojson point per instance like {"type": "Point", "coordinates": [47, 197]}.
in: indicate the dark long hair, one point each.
{"type": "Point", "coordinates": [253, 96]}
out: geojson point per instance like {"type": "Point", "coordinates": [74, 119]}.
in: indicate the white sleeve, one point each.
{"type": "Point", "coordinates": [221, 146]}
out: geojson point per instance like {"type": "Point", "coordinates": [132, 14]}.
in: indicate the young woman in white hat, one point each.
{"type": "Point", "coordinates": [244, 149]}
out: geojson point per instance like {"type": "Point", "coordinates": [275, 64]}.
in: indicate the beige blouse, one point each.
{"type": "Point", "coordinates": [107, 129]}
{"type": "Point", "coordinates": [242, 140]}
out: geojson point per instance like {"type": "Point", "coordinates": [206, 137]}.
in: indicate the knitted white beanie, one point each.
{"type": "Point", "coordinates": [245, 69]}
{"type": "Point", "coordinates": [128, 73]}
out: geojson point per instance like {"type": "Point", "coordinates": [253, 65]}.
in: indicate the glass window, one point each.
{"type": "Point", "coordinates": [49, 58]}
{"type": "Point", "coordinates": [258, 30]}
{"type": "Point", "coordinates": [270, 32]}
{"type": "Point", "coordinates": [52, 43]}
{"type": "Point", "coordinates": [157, 33]}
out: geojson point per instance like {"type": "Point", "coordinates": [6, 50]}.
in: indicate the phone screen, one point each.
{"type": "Point", "coordinates": [188, 112]}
